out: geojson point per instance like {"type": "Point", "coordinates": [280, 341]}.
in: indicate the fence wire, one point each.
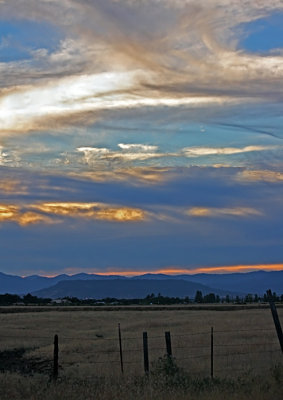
{"type": "Point", "coordinates": [191, 350]}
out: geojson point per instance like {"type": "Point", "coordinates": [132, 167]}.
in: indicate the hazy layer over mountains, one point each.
{"type": "Point", "coordinates": [100, 286]}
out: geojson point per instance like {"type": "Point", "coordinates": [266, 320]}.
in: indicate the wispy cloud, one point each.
{"type": "Point", "coordinates": [47, 213]}
{"type": "Point", "coordinates": [260, 175]}
{"type": "Point", "coordinates": [177, 270]}
{"type": "Point", "coordinates": [223, 212]}
{"type": "Point", "coordinates": [12, 213]}
{"type": "Point", "coordinates": [131, 153]}
{"type": "Point", "coordinates": [132, 175]}
{"type": "Point", "coordinates": [138, 147]}
{"type": "Point", "coordinates": [127, 153]}
{"type": "Point", "coordinates": [190, 61]}
{"type": "Point", "coordinates": [12, 186]}
{"type": "Point", "coordinates": [205, 151]}
{"type": "Point", "coordinates": [99, 211]}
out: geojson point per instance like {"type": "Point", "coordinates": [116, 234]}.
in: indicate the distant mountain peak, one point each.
{"type": "Point", "coordinates": [255, 282]}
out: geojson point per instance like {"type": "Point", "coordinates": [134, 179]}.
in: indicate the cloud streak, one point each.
{"type": "Point", "coordinates": [206, 151]}
{"type": "Point", "coordinates": [260, 175]}
{"type": "Point", "coordinates": [176, 270]}
{"type": "Point", "coordinates": [132, 175]}
{"type": "Point", "coordinates": [131, 153]}
{"type": "Point", "coordinates": [48, 213]}
{"type": "Point", "coordinates": [96, 211]}
{"type": "Point", "coordinates": [12, 213]}
{"type": "Point", "coordinates": [223, 212]}
{"type": "Point", "coordinates": [194, 62]}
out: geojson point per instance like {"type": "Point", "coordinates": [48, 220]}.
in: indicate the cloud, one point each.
{"type": "Point", "coordinates": [47, 213]}
{"type": "Point", "coordinates": [131, 153]}
{"type": "Point", "coordinates": [131, 175]}
{"type": "Point", "coordinates": [3, 156]}
{"type": "Point", "coordinates": [12, 187]}
{"type": "Point", "coordinates": [119, 55]}
{"type": "Point", "coordinates": [205, 151]}
{"type": "Point", "coordinates": [176, 270]}
{"type": "Point", "coordinates": [66, 99]}
{"type": "Point", "coordinates": [223, 212]}
{"type": "Point", "coordinates": [96, 211]}
{"type": "Point", "coordinates": [12, 213]}
{"type": "Point", "coordinates": [128, 153]}
{"type": "Point", "coordinates": [141, 147]}
{"type": "Point", "coordinates": [260, 175]}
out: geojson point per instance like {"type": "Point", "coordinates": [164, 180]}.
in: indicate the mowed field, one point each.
{"type": "Point", "coordinates": [245, 347]}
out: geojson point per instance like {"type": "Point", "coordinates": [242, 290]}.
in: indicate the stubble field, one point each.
{"type": "Point", "coordinates": [246, 354]}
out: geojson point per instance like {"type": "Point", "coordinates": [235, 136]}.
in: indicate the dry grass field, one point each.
{"type": "Point", "coordinates": [247, 355]}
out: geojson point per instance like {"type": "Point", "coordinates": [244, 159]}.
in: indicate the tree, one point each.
{"type": "Point", "coordinates": [29, 299]}
{"type": "Point", "coordinates": [209, 298]}
{"type": "Point", "coordinates": [198, 297]}
{"type": "Point", "coordinates": [237, 300]}
{"type": "Point", "coordinates": [249, 298]}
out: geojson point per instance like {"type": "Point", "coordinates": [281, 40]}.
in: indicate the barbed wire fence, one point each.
{"type": "Point", "coordinates": [210, 353]}
{"type": "Point", "coordinates": [205, 353]}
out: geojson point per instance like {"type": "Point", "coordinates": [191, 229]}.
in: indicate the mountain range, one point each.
{"type": "Point", "coordinates": [100, 286]}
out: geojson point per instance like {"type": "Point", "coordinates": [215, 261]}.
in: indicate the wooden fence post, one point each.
{"type": "Point", "coordinates": [168, 344]}
{"type": "Point", "coordinates": [145, 353]}
{"type": "Point", "coordinates": [275, 319]}
{"type": "Point", "coordinates": [121, 351]}
{"type": "Point", "coordinates": [211, 354]}
{"type": "Point", "coordinates": [55, 359]}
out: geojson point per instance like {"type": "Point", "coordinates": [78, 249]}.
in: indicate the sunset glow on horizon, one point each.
{"type": "Point", "coordinates": [174, 271]}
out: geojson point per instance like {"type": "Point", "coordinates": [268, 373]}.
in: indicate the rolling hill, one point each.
{"type": "Point", "coordinates": [127, 288]}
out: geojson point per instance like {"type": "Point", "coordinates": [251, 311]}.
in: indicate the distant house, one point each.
{"type": "Point", "coordinates": [60, 301]}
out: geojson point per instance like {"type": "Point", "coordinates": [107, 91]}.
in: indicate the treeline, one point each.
{"type": "Point", "coordinates": [199, 298]}
{"type": "Point", "coordinates": [249, 298]}
{"type": "Point", "coordinates": [14, 299]}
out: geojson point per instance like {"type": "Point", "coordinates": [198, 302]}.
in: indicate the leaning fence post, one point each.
{"type": "Point", "coordinates": [275, 319]}
{"type": "Point", "coordinates": [168, 344]}
{"type": "Point", "coordinates": [211, 353]}
{"type": "Point", "coordinates": [145, 353]}
{"type": "Point", "coordinates": [121, 351]}
{"type": "Point", "coordinates": [55, 359]}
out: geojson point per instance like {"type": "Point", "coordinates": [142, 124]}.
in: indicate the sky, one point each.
{"type": "Point", "coordinates": [141, 136]}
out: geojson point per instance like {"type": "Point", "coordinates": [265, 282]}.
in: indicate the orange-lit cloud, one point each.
{"type": "Point", "coordinates": [8, 212]}
{"type": "Point", "coordinates": [48, 213]}
{"type": "Point", "coordinates": [12, 213]}
{"type": "Point", "coordinates": [177, 270]}
{"type": "Point", "coordinates": [133, 175]}
{"type": "Point", "coordinates": [224, 269]}
{"type": "Point", "coordinates": [99, 211]}
{"type": "Point", "coordinates": [30, 218]}
{"type": "Point", "coordinates": [12, 186]}
{"type": "Point", "coordinates": [260, 175]}
{"type": "Point", "coordinates": [222, 212]}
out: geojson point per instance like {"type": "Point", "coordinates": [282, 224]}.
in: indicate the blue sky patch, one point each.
{"type": "Point", "coordinates": [19, 38]}
{"type": "Point", "coordinates": [264, 34]}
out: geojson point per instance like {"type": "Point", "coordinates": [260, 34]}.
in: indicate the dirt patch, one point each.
{"type": "Point", "coordinates": [15, 361]}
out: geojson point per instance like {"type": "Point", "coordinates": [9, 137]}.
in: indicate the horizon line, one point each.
{"type": "Point", "coordinates": [171, 270]}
